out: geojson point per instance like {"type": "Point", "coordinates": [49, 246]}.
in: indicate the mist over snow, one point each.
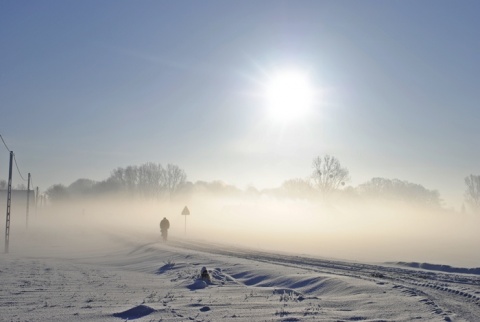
{"type": "Point", "coordinates": [269, 260]}
{"type": "Point", "coordinates": [353, 229]}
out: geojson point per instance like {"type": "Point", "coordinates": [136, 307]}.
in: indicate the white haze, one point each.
{"type": "Point", "coordinates": [354, 230]}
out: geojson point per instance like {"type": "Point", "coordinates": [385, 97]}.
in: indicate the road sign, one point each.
{"type": "Point", "coordinates": [185, 212]}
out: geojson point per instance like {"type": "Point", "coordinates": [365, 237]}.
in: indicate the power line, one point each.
{"type": "Point", "coordinates": [1, 137]}
{"type": "Point", "coordinates": [14, 158]}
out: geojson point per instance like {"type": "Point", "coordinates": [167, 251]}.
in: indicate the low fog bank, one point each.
{"type": "Point", "coordinates": [355, 230]}
{"type": "Point", "coordinates": [365, 230]}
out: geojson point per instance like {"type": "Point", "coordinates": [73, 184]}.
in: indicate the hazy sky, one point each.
{"type": "Point", "coordinates": [88, 86]}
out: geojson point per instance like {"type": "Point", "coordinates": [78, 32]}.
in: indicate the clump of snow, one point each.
{"type": "Point", "coordinates": [197, 285]}
{"type": "Point", "coordinates": [135, 312]}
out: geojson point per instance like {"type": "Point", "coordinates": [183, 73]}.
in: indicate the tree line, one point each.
{"type": "Point", "coordinates": [150, 180]}
{"type": "Point", "coordinates": [328, 178]}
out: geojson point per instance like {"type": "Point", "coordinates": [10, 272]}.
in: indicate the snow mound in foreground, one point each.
{"type": "Point", "coordinates": [135, 313]}
{"type": "Point", "coordinates": [197, 285]}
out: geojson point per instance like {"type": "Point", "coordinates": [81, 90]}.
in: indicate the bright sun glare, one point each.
{"type": "Point", "coordinates": [289, 95]}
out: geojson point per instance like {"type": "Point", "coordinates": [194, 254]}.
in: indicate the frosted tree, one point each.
{"type": "Point", "coordinates": [328, 174]}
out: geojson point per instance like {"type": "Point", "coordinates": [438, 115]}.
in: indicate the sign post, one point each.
{"type": "Point", "coordinates": [185, 212]}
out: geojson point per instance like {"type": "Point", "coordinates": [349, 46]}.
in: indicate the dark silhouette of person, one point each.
{"type": "Point", "coordinates": [164, 225]}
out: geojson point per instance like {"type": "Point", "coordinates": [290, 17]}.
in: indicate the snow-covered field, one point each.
{"type": "Point", "coordinates": [90, 275]}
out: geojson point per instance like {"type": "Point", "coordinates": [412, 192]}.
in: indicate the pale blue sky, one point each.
{"type": "Point", "coordinates": [88, 86]}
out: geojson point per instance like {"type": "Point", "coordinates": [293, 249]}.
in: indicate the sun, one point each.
{"type": "Point", "coordinates": [289, 95]}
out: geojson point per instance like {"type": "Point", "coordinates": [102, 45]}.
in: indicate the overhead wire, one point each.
{"type": "Point", "coordinates": [14, 158]}
{"type": "Point", "coordinates": [1, 137]}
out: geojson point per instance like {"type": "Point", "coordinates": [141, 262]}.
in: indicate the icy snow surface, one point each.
{"type": "Point", "coordinates": [128, 277]}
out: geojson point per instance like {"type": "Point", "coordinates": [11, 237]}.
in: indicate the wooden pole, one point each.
{"type": "Point", "coordinates": [28, 199]}
{"type": "Point", "coordinates": [9, 202]}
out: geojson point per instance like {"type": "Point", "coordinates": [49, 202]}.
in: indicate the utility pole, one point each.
{"type": "Point", "coordinates": [28, 198]}
{"type": "Point", "coordinates": [9, 202]}
{"type": "Point", "coordinates": [36, 202]}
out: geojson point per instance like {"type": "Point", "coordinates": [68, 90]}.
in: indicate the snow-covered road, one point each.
{"type": "Point", "coordinates": [454, 296]}
{"type": "Point", "coordinates": [141, 278]}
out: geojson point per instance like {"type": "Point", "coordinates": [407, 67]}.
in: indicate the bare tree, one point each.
{"type": "Point", "coordinates": [151, 179]}
{"type": "Point", "coordinates": [148, 180]}
{"type": "Point", "coordinates": [328, 174]}
{"type": "Point", "coordinates": [118, 176]}
{"type": "Point", "coordinates": [472, 194]}
{"type": "Point", "coordinates": [131, 178]}
{"type": "Point", "coordinates": [174, 178]}
{"type": "Point", "coordinates": [3, 184]}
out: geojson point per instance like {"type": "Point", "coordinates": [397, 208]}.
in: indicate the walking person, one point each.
{"type": "Point", "coordinates": [164, 225]}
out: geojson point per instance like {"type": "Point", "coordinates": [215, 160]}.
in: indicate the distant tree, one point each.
{"type": "Point", "coordinates": [130, 175]}
{"type": "Point", "coordinates": [148, 180]}
{"type": "Point", "coordinates": [472, 194]}
{"type": "Point", "coordinates": [118, 175]}
{"type": "Point", "coordinates": [328, 174]}
{"type": "Point", "coordinates": [3, 184]}
{"type": "Point", "coordinates": [298, 188]}
{"type": "Point", "coordinates": [395, 189]}
{"type": "Point", "coordinates": [81, 187]}
{"type": "Point", "coordinates": [151, 179]}
{"type": "Point", "coordinates": [57, 192]}
{"type": "Point", "coordinates": [125, 179]}
{"type": "Point", "coordinates": [174, 178]}
{"type": "Point", "coordinates": [109, 186]}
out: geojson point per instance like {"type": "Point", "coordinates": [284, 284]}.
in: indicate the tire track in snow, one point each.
{"type": "Point", "coordinates": [448, 295]}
